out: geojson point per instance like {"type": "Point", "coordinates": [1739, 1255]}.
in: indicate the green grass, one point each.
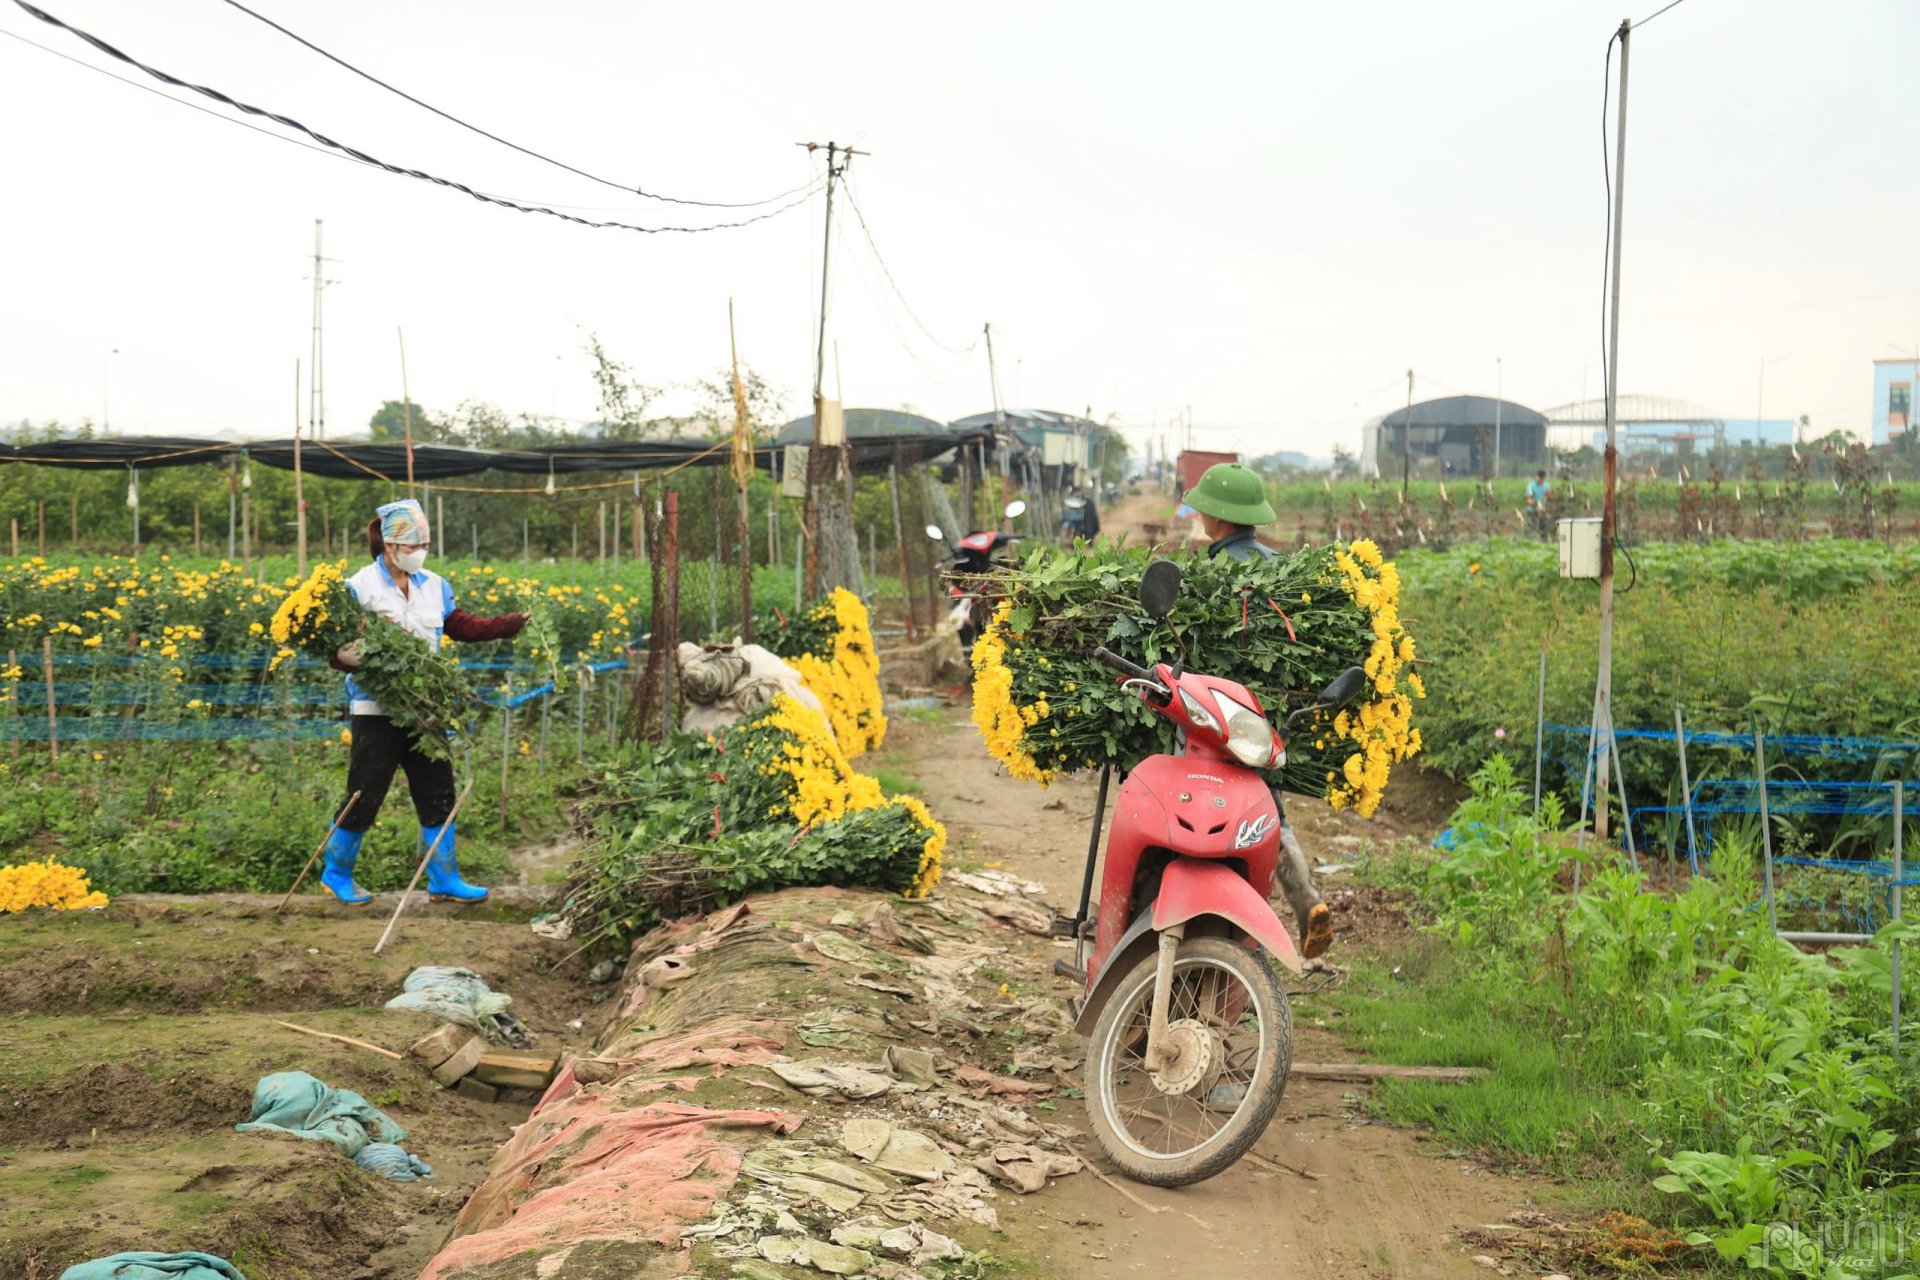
{"type": "Point", "coordinates": [894, 783]}
{"type": "Point", "coordinates": [1428, 1007]}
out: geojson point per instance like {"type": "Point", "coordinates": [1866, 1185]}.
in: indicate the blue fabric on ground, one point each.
{"type": "Point", "coordinates": [1454, 837]}
{"type": "Point", "coordinates": [297, 1103]}
{"type": "Point", "coordinates": [390, 1161]}
{"type": "Point", "coordinates": [154, 1266]}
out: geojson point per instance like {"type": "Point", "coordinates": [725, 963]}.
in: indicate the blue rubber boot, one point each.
{"type": "Point", "coordinates": [343, 850]}
{"type": "Point", "coordinates": [443, 872]}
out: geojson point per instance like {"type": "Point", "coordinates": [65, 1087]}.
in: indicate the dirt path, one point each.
{"type": "Point", "coordinates": [1382, 1201]}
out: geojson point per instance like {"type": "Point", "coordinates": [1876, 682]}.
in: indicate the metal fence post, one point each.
{"type": "Point", "coordinates": [1539, 726]}
{"type": "Point", "coordinates": [1766, 828]}
{"type": "Point", "coordinates": [1686, 790]}
{"type": "Point", "coordinates": [1620, 780]}
{"type": "Point", "coordinates": [506, 758]}
{"type": "Point", "coordinates": [1899, 821]}
{"type": "Point", "coordinates": [546, 711]}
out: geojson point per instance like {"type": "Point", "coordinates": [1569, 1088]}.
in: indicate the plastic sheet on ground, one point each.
{"type": "Point", "coordinates": [462, 997]}
{"type": "Point", "coordinates": [154, 1266]}
{"type": "Point", "coordinates": [390, 1161]}
{"type": "Point", "coordinates": [297, 1103]}
{"type": "Point", "coordinates": [727, 1043]}
{"type": "Point", "coordinates": [581, 1168]}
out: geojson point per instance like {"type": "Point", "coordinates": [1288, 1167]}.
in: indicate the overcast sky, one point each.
{"type": "Point", "coordinates": [1265, 212]}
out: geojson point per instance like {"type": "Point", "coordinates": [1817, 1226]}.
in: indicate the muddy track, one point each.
{"type": "Point", "coordinates": [1339, 1195]}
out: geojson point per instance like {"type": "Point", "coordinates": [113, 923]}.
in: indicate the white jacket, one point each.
{"type": "Point", "coordinates": [423, 611]}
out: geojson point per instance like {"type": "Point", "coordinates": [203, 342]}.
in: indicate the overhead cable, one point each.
{"type": "Point", "coordinates": [905, 305]}
{"type": "Point", "coordinates": [365, 158]}
{"type": "Point", "coordinates": [191, 106]}
{"type": "Point", "coordinates": [526, 151]}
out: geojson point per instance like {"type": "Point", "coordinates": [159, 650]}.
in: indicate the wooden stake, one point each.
{"type": "Point", "coordinates": [196, 527]}
{"type": "Point", "coordinates": [421, 869]}
{"type": "Point", "coordinates": [341, 817]}
{"type": "Point", "coordinates": [53, 724]}
{"type": "Point", "coordinates": [326, 1035]}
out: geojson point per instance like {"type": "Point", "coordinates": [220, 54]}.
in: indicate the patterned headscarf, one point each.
{"type": "Point", "coordinates": [404, 522]}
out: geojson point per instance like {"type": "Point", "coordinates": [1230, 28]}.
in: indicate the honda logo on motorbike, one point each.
{"type": "Point", "coordinates": [1252, 832]}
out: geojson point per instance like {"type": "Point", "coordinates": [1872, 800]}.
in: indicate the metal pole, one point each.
{"type": "Point", "coordinates": [1766, 829]}
{"type": "Point", "coordinates": [1899, 821]}
{"type": "Point", "coordinates": [506, 757]}
{"type": "Point", "coordinates": [1406, 442]}
{"type": "Point", "coordinates": [1539, 726]}
{"type": "Point", "coordinates": [299, 490]}
{"type": "Point", "coordinates": [580, 717]}
{"type": "Point", "coordinates": [1610, 469]}
{"type": "Point", "coordinates": [1620, 781]}
{"type": "Point", "coordinates": [53, 711]}
{"type": "Point", "coordinates": [1686, 791]}
{"type": "Point", "coordinates": [1499, 397]}
{"type": "Point", "coordinates": [546, 711]}
{"type": "Point", "coordinates": [233, 491]}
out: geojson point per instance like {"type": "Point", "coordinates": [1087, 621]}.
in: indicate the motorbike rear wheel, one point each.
{"type": "Point", "coordinates": [1192, 1119]}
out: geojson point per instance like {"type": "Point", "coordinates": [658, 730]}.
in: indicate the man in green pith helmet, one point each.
{"type": "Point", "coordinates": [1232, 503]}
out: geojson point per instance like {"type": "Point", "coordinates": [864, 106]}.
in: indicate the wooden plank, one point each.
{"type": "Point", "coordinates": [1368, 1071]}
{"type": "Point", "coordinates": [516, 1070]}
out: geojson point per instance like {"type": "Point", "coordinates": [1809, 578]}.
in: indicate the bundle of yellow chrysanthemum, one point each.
{"type": "Point", "coordinates": [46, 884]}
{"type": "Point", "coordinates": [417, 688]}
{"type": "Point", "coordinates": [831, 646]}
{"type": "Point", "coordinates": [1283, 627]}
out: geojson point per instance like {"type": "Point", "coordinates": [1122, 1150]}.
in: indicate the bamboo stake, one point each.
{"type": "Point", "coordinates": [327, 1035]}
{"type": "Point", "coordinates": [421, 869]}
{"type": "Point", "coordinates": [338, 819]}
{"type": "Point", "coordinates": [13, 702]}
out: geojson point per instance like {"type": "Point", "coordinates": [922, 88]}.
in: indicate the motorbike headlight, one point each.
{"type": "Point", "coordinates": [1198, 714]}
{"type": "Point", "coordinates": [1250, 739]}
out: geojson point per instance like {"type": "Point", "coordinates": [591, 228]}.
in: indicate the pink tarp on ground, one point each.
{"type": "Point", "coordinates": [581, 1171]}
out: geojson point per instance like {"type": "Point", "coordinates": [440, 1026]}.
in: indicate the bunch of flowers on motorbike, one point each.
{"type": "Point", "coordinates": [831, 646]}
{"type": "Point", "coordinates": [1283, 627]}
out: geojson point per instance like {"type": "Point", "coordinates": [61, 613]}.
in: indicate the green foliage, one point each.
{"type": "Point", "coordinates": [1754, 1085]}
{"type": "Point", "coordinates": [1227, 622]}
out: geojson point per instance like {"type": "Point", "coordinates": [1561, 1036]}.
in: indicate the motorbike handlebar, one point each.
{"type": "Point", "coordinates": [1132, 670]}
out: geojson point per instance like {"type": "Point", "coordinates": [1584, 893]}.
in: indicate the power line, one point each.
{"type": "Point", "coordinates": [365, 158]}
{"type": "Point", "coordinates": [1656, 13]}
{"type": "Point", "coordinates": [191, 106]}
{"type": "Point", "coordinates": [526, 151]}
{"type": "Point", "coordinates": [905, 305]}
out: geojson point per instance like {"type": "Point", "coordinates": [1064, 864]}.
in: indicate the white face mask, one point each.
{"type": "Point", "coordinates": [411, 561]}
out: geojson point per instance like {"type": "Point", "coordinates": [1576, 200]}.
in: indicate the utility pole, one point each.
{"type": "Point", "coordinates": [999, 427]}
{"type": "Point", "coordinates": [316, 388]}
{"type": "Point", "coordinates": [1499, 402]}
{"type": "Point", "coordinates": [406, 410]}
{"type": "Point", "coordinates": [299, 489]}
{"type": "Point", "coordinates": [1603, 694]}
{"type": "Point", "coordinates": [824, 463]}
{"type": "Point", "coordinates": [1406, 442]}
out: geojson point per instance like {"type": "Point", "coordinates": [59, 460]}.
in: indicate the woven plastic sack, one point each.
{"type": "Point", "coordinates": [389, 1161]}
{"type": "Point", "coordinates": [154, 1266]}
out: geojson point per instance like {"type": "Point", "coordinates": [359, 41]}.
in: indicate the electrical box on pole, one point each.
{"type": "Point", "coordinates": [1580, 547]}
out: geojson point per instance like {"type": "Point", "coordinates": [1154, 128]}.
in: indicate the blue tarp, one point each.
{"type": "Point", "coordinates": [297, 1103]}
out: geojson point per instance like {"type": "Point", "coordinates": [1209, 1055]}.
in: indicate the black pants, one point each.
{"type": "Point", "coordinates": [378, 749]}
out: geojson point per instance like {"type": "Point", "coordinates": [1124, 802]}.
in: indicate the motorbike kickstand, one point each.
{"type": "Point", "coordinates": [1159, 1053]}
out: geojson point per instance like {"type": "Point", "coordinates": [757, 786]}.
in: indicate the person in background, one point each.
{"type": "Point", "coordinates": [397, 587]}
{"type": "Point", "coordinates": [1231, 503]}
{"type": "Point", "coordinates": [1537, 491]}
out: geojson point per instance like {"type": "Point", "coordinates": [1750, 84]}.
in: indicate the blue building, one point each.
{"type": "Point", "coordinates": [1893, 382]}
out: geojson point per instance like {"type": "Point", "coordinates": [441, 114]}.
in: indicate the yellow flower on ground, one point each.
{"type": "Point", "coordinates": [46, 884]}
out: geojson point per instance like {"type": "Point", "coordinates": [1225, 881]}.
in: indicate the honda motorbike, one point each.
{"type": "Point", "coordinates": [1191, 1031]}
{"type": "Point", "coordinates": [972, 557]}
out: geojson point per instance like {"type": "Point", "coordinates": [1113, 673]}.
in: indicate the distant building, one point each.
{"type": "Point", "coordinates": [1193, 464]}
{"type": "Point", "coordinates": [1685, 437]}
{"type": "Point", "coordinates": [1454, 436]}
{"type": "Point", "coordinates": [1893, 383]}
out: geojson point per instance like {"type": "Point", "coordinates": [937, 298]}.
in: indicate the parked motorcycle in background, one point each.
{"type": "Point", "coordinates": [971, 558]}
{"type": "Point", "coordinates": [1192, 1035]}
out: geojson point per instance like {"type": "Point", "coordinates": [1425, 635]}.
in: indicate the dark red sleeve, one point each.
{"type": "Point", "coordinates": [464, 627]}
{"type": "Point", "coordinates": [338, 665]}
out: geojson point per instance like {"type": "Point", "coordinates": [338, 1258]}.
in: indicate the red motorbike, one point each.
{"type": "Point", "coordinates": [1192, 1035]}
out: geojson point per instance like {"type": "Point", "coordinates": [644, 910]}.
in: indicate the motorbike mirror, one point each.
{"type": "Point", "coordinates": [1345, 688]}
{"type": "Point", "coordinates": [1160, 587]}
{"type": "Point", "coordinates": [1016, 509]}
{"type": "Point", "coordinates": [933, 531]}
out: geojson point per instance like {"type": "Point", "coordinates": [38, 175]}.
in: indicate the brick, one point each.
{"type": "Point", "coordinates": [471, 1088]}
{"type": "Point", "coordinates": [463, 1061]}
{"type": "Point", "coordinates": [437, 1046]}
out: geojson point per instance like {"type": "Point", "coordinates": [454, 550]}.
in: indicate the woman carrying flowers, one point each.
{"type": "Point", "coordinates": [397, 587]}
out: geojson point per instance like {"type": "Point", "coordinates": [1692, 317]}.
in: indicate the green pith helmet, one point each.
{"type": "Point", "coordinates": [1229, 491]}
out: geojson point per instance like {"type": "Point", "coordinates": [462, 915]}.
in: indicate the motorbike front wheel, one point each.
{"type": "Point", "coordinates": [1229, 1016]}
